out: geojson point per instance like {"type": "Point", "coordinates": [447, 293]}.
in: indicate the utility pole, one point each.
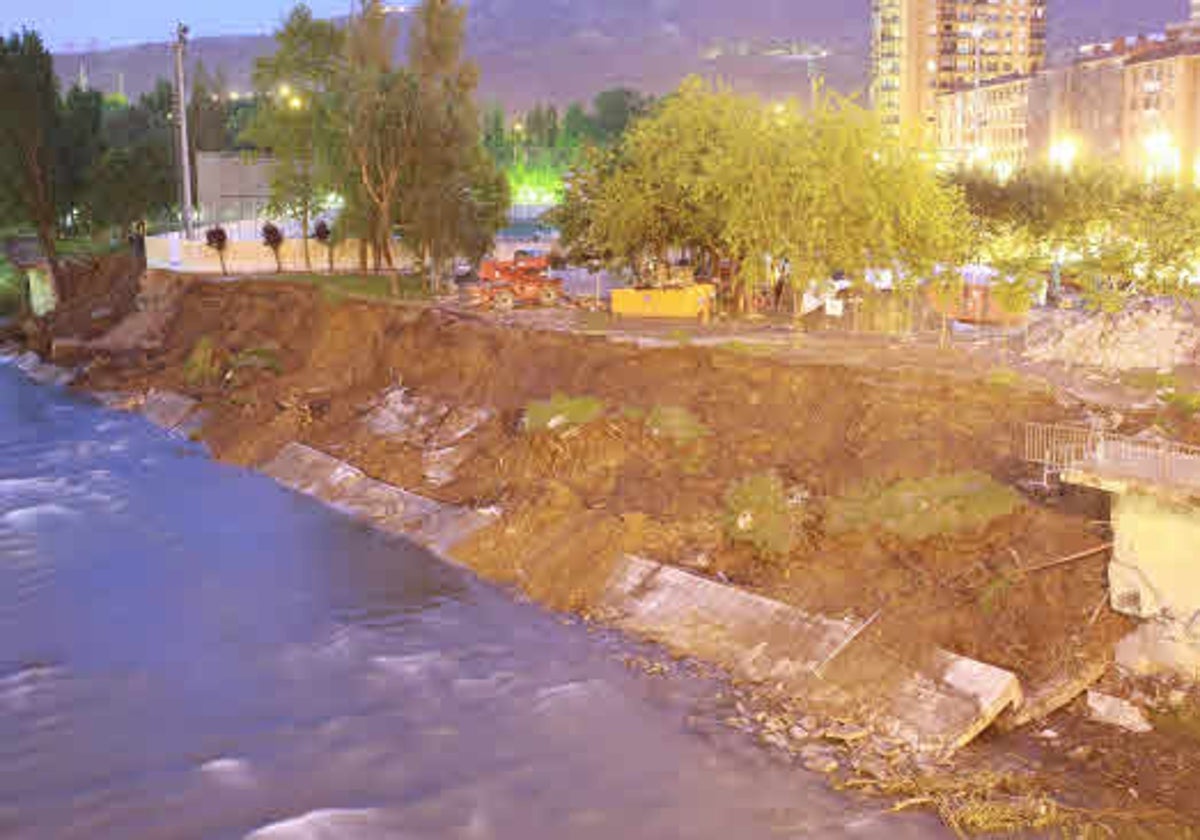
{"type": "Point", "coordinates": [181, 33]}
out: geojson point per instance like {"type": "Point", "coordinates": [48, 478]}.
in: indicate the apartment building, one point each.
{"type": "Point", "coordinates": [923, 48]}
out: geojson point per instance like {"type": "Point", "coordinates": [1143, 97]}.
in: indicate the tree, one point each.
{"type": "Point", "coordinates": [129, 184]}
{"type": "Point", "coordinates": [729, 178]}
{"type": "Point", "coordinates": [28, 121]}
{"type": "Point", "coordinates": [272, 237]}
{"type": "Point", "coordinates": [78, 147]}
{"type": "Point", "coordinates": [323, 233]}
{"type": "Point", "coordinates": [294, 117]}
{"type": "Point", "coordinates": [615, 110]}
{"type": "Point", "coordinates": [441, 203]}
{"type": "Point", "coordinates": [218, 240]}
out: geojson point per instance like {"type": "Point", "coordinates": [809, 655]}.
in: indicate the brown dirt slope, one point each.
{"type": "Point", "coordinates": [837, 438]}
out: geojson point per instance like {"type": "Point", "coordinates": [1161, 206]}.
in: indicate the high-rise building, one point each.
{"type": "Point", "coordinates": [920, 48]}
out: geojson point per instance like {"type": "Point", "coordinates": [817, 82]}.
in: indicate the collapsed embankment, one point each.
{"type": "Point", "coordinates": [843, 491]}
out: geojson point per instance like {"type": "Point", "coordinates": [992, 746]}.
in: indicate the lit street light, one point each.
{"type": "Point", "coordinates": [1063, 154]}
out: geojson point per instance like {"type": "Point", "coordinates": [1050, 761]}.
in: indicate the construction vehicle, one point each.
{"type": "Point", "coordinates": [523, 280]}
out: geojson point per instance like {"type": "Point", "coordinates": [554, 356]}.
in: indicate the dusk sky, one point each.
{"type": "Point", "coordinates": [71, 25]}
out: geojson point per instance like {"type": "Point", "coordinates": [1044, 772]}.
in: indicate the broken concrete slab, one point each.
{"type": "Point", "coordinates": [431, 524]}
{"type": "Point", "coordinates": [949, 702]}
{"type": "Point", "coordinates": [936, 710]}
{"type": "Point", "coordinates": [168, 409]}
{"type": "Point", "coordinates": [1054, 694]}
{"type": "Point", "coordinates": [1114, 711]}
{"type": "Point", "coordinates": [1160, 648]}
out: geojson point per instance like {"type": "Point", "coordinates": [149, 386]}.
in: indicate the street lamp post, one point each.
{"type": "Point", "coordinates": [181, 33]}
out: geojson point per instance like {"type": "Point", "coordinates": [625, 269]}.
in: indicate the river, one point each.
{"type": "Point", "coordinates": [189, 651]}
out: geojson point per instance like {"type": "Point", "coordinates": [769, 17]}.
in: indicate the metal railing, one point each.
{"type": "Point", "coordinates": [1057, 448]}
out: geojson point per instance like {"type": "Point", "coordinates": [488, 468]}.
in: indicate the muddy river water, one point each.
{"type": "Point", "coordinates": [187, 650]}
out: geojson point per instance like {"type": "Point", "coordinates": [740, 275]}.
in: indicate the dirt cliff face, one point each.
{"type": "Point", "coordinates": [893, 485]}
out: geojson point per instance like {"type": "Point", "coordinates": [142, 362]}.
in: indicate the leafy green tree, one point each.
{"type": "Point", "coordinates": [294, 118]}
{"type": "Point", "coordinates": [28, 122]}
{"type": "Point", "coordinates": [129, 184]}
{"type": "Point", "coordinates": [442, 201]}
{"type": "Point", "coordinates": [79, 145]}
{"type": "Point", "coordinates": [614, 110]}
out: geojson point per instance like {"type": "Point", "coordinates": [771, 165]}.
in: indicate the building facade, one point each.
{"type": "Point", "coordinates": [923, 48]}
{"type": "Point", "coordinates": [1159, 130]}
{"type": "Point", "coordinates": [986, 126]}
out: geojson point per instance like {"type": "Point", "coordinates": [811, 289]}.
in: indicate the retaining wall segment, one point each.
{"type": "Point", "coordinates": [936, 710]}
{"type": "Point", "coordinates": [434, 525]}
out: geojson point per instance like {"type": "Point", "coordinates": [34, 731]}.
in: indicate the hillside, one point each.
{"type": "Point", "coordinates": [565, 49]}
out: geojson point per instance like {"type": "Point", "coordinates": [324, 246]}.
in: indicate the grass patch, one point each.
{"type": "Point", "coordinates": [681, 337]}
{"type": "Point", "coordinates": [84, 247]}
{"type": "Point", "coordinates": [748, 348]}
{"type": "Point", "coordinates": [1150, 380]}
{"type": "Point", "coordinates": [562, 411]}
{"type": "Point", "coordinates": [757, 514]}
{"type": "Point", "coordinates": [13, 289]}
{"type": "Point", "coordinates": [203, 365]}
{"type": "Point", "coordinates": [1185, 402]}
{"type": "Point", "coordinates": [921, 508]}
{"type": "Point", "coordinates": [675, 423]}
{"type": "Point", "coordinates": [1003, 378]}
{"type": "Point", "coordinates": [375, 286]}
{"type": "Point", "coordinates": [260, 358]}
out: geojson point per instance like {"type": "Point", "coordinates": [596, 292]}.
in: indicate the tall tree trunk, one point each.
{"type": "Point", "coordinates": [304, 233]}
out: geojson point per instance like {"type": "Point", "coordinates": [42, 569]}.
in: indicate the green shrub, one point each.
{"type": "Point", "coordinates": [757, 514]}
{"type": "Point", "coordinates": [675, 423]}
{"type": "Point", "coordinates": [561, 411]}
{"type": "Point", "coordinates": [202, 366]}
{"type": "Point", "coordinates": [263, 358]}
{"type": "Point", "coordinates": [921, 508]}
{"type": "Point", "coordinates": [12, 288]}
{"type": "Point", "coordinates": [1185, 402]}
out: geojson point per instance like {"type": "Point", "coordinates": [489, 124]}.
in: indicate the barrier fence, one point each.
{"type": "Point", "coordinates": [1057, 448]}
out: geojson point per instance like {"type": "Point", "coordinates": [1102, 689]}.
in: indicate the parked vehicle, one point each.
{"type": "Point", "coordinates": [522, 280]}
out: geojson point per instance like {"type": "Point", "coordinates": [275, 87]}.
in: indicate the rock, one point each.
{"type": "Point", "coordinates": [1176, 698]}
{"type": "Point", "coordinates": [799, 733]}
{"type": "Point", "coordinates": [1048, 735]}
{"type": "Point", "coordinates": [774, 739]}
{"type": "Point", "coordinates": [1081, 753]}
{"type": "Point", "coordinates": [846, 733]}
{"type": "Point", "coordinates": [1114, 711]}
{"type": "Point", "coordinates": [819, 759]}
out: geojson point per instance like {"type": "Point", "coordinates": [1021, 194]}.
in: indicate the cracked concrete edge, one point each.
{"type": "Point", "coordinates": [935, 710]}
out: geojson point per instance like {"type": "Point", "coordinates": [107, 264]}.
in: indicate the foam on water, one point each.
{"type": "Point", "coordinates": [325, 824]}
{"type": "Point", "coordinates": [35, 518]}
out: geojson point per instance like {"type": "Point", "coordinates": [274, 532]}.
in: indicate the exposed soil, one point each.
{"type": "Point", "coordinates": [825, 430]}
{"type": "Point", "coordinates": [573, 496]}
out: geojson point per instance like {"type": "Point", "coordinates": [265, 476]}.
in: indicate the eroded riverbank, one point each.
{"type": "Point", "coordinates": [186, 650]}
{"type": "Point", "coordinates": [640, 453]}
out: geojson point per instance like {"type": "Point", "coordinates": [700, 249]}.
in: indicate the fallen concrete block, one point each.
{"type": "Point", "coordinates": [1054, 694]}
{"type": "Point", "coordinates": [949, 703]}
{"type": "Point", "coordinates": [936, 710]}
{"type": "Point", "coordinates": [1160, 648]}
{"type": "Point", "coordinates": [167, 409]}
{"type": "Point", "coordinates": [430, 524]}
{"type": "Point", "coordinates": [1114, 711]}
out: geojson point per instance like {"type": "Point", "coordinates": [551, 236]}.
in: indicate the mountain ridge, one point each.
{"type": "Point", "coordinates": [563, 50]}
